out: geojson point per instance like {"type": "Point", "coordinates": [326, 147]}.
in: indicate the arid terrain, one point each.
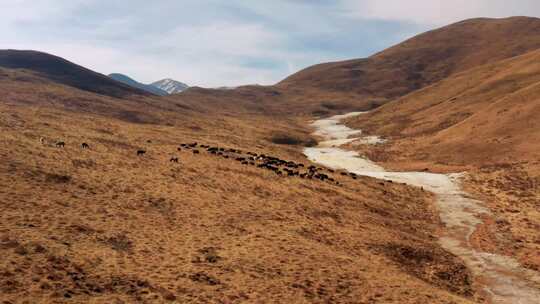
{"type": "Point", "coordinates": [105, 225]}
{"type": "Point", "coordinates": [483, 121]}
{"type": "Point", "coordinates": [101, 224]}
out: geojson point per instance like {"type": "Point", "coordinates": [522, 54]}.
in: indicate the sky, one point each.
{"type": "Point", "coordinates": [215, 43]}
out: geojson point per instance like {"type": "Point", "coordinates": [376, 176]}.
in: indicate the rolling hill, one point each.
{"type": "Point", "coordinates": [415, 63]}
{"type": "Point", "coordinates": [61, 71]}
{"type": "Point", "coordinates": [481, 116]}
{"type": "Point", "coordinates": [484, 121]}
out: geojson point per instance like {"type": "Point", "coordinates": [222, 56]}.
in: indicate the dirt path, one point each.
{"type": "Point", "coordinates": [501, 277]}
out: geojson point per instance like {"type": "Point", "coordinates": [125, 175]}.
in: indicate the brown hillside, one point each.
{"type": "Point", "coordinates": [365, 84]}
{"type": "Point", "coordinates": [64, 72]}
{"type": "Point", "coordinates": [418, 62]}
{"type": "Point", "coordinates": [484, 120]}
{"type": "Point", "coordinates": [482, 116]}
{"type": "Point", "coordinates": [101, 225]}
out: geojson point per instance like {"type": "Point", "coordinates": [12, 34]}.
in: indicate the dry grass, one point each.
{"type": "Point", "coordinates": [411, 65]}
{"type": "Point", "coordinates": [513, 195]}
{"type": "Point", "coordinates": [102, 225]}
{"type": "Point", "coordinates": [483, 121]}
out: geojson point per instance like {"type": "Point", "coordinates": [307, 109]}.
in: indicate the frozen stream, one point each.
{"type": "Point", "coordinates": [502, 277]}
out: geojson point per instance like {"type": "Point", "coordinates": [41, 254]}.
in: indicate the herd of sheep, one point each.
{"type": "Point", "coordinates": [262, 161]}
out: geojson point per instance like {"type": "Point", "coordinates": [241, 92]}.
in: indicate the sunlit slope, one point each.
{"type": "Point", "coordinates": [417, 62]}
{"type": "Point", "coordinates": [481, 116]}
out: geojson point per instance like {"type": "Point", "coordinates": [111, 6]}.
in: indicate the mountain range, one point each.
{"type": "Point", "coordinates": [161, 88]}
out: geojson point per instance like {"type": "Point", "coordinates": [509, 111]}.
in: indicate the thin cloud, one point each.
{"type": "Point", "coordinates": [438, 12]}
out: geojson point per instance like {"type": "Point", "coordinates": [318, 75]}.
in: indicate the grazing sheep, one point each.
{"type": "Point", "coordinates": [141, 152]}
{"type": "Point", "coordinates": [85, 146]}
{"type": "Point", "coordinates": [60, 144]}
{"type": "Point", "coordinates": [174, 160]}
{"type": "Point", "coordinates": [291, 165]}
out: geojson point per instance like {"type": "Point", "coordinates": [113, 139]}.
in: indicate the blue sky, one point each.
{"type": "Point", "coordinates": [231, 42]}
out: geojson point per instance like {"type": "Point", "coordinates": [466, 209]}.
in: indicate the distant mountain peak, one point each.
{"type": "Point", "coordinates": [133, 83]}
{"type": "Point", "coordinates": [170, 86]}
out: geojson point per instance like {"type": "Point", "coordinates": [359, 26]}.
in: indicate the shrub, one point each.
{"type": "Point", "coordinates": [57, 178]}
{"type": "Point", "coordinates": [292, 140]}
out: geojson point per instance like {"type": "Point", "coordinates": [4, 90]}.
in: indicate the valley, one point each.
{"type": "Point", "coordinates": [410, 176]}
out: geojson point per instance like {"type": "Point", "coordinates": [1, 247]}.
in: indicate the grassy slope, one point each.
{"type": "Point", "coordinates": [482, 116]}
{"type": "Point", "coordinates": [101, 225]}
{"type": "Point", "coordinates": [413, 64]}
{"type": "Point", "coordinates": [65, 72]}
{"type": "Point", "coordinates": [484, 120]}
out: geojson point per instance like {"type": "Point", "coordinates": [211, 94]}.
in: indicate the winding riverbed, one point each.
{"type": "Point", "coordinates": [501, 277]}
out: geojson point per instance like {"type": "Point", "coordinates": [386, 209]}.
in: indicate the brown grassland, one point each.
{"type": "Point", "coordinates": [483, 121]}
{"type": "Point", "coordinates": [102, 225]}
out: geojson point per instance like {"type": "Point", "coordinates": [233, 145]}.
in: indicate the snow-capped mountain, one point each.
{"type": "Point", "coordinates": [170, 86]}
{"type": "Point", "coordinates": [133, 83]}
